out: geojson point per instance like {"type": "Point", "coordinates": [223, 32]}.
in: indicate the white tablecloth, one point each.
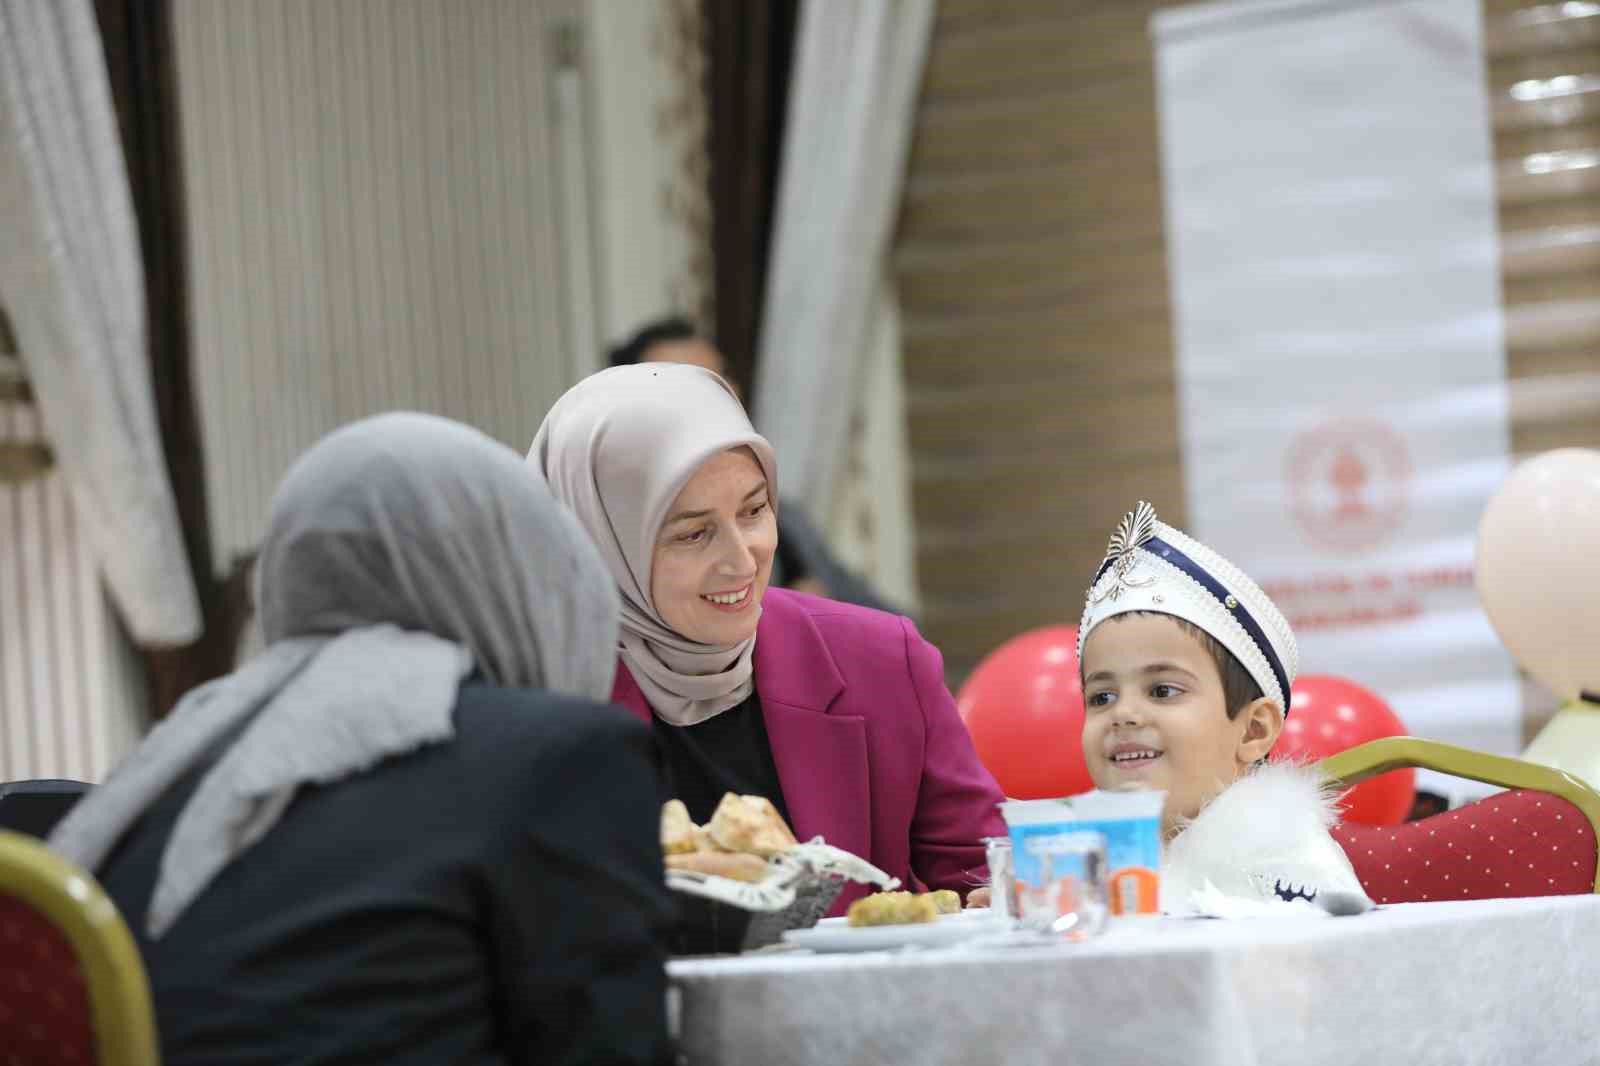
{"type": "Point", "coordinates": [1499, 981]}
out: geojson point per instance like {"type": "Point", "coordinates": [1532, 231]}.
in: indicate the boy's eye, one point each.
{"type": "Point", "coordinates": [1164, 691]}
{"type": "Point", "coordinates": [1100, 699]}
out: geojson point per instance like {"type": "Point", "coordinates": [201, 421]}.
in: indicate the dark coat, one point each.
{"type": "Point", "coordinates": [496, 899]}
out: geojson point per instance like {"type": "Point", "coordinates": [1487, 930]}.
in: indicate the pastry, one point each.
{"type": "Point", "coordinates": [744, 832]}
{"type": "Point", "coordinates": [946, 901]}
{"type": "Point", "coordinates": [678, 830]}
{"type": "Point", "coordinates": [892, 908]}
{"type": "Point", "coordinates": [703, 841]}
{"type": "Point", "coordinates": [721, 864]}
{"type": "Point", "coordinates": [749, 824]}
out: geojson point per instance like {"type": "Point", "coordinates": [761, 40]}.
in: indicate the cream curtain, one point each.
{"type": "Point", "coordinates": [857, 72]}
{"type": "Point", "coordinates": [71, 279]}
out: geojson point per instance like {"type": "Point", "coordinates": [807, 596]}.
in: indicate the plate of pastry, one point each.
{"type": "Point", "coordinates": [747, 857]}
{"type": "Point", "coordinates": [888, 920]}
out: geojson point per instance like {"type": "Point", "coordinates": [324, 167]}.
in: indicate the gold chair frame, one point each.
{"type": "Point", "coordinates": [113, 972]}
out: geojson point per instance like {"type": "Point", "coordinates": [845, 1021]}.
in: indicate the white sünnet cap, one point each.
{"type": "Point", "coordinates": [1149, 566]}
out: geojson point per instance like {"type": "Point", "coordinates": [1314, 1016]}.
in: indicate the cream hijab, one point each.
{"type": "Point", "coordinates": [617, 449]}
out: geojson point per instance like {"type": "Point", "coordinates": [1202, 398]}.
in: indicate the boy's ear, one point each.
{"type": "Point", "coordinates": [1263, 721]}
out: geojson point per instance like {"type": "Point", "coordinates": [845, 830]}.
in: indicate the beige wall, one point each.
{"type": "Point", "coordinates": [644, 61]}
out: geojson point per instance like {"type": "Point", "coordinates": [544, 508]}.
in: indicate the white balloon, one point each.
{"type": "Point", "coordinates": [1538, 568]}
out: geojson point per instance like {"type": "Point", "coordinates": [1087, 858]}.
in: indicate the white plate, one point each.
{"type": "Point", "coordinates": [835, 934]}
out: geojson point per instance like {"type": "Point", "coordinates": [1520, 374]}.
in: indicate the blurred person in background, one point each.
{"type": "Point", "coordinates": [408, 831]}
{"type": "Point", "coordinates": [804, 561]}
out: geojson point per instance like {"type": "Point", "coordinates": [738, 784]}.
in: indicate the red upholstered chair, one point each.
{"type": "Point", "coordinates": [1539, 838]}
{"type": "Point", "coordinates": [72, 986]}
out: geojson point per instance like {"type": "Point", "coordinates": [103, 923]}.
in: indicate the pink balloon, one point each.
{"type": "Point", "coordinates": [1538, 568]}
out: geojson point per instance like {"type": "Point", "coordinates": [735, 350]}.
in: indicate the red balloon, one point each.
{"type": "Point", "coordinates": [1328, 715]}
{"type": "Point", "coordinates": [1023, 706]}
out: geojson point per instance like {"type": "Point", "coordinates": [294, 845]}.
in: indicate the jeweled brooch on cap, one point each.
{"type": "Point", "coordinates": [1137, 528]}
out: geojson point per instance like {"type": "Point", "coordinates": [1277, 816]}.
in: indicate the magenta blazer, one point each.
{"type": "Point", "coordinates": [870, 751]}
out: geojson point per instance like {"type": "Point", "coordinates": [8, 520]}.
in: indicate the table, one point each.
{"type": "Point", "coordinates": [1487, 981]}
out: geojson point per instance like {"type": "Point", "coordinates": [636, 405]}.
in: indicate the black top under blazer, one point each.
{"type": "Point", "coordinates": [497, 899]}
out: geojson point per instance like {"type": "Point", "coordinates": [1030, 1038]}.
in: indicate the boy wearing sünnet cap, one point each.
{"type": "Point", "coordinates": [1187, 666]}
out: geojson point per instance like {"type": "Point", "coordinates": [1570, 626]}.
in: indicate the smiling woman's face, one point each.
{"type": "Point", "coordinates": [713, 555]}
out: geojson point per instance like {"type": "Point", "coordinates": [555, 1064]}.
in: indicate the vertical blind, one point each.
{"type": "Point", "coordinates": [71, 697]}
{"type": "Point", "coordinates": [372, 215]}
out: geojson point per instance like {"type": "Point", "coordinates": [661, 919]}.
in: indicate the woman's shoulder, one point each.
{"type": "Point", "coordinates": [834, 619]}
{"type": "Point", "coordinates": [518, 750]}
{"type": "Point", "coordinates": [863, 644]}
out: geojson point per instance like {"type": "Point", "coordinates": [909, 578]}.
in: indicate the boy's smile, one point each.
{"type": "Point", "coordinates": [1131, 759]}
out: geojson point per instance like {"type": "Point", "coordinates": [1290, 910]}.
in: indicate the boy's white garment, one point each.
{"type": "Point", "coordinates": [1259, 847]}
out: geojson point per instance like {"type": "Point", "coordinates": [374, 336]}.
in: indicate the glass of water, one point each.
{"type": "Point", "coordinates": [1002, 877]}
{"type": "Point", "coordinates": [1067, 895]}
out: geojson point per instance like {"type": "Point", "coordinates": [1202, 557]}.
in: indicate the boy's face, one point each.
{"type": "Point", "coordinates": [1155, 716]}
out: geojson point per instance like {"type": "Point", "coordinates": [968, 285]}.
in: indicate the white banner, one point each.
{"type": "Point", "coordinates": [1331, 232]}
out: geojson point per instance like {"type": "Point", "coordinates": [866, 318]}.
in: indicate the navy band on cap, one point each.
{"type": "Point", "coordinates": [1157, 546]}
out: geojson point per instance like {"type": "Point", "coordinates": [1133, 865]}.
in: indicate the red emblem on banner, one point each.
{"type": "Point", "coordinates": [1349, 483]}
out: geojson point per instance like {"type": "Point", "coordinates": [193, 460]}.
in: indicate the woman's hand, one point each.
{"type": "Point", "coordinates": [978, 897]}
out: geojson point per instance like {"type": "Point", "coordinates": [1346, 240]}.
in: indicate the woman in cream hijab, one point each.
{"type": "Point", "coordinates": [406, 832]}
{"type": "Point", "coordinates": [837, 714]}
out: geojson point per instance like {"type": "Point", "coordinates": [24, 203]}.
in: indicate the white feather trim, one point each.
{"type": "Point", "coordinates": [1265, 837]}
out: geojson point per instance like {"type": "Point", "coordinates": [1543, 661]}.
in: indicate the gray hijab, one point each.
{"type": "Point", "coordinates": [401, 552]}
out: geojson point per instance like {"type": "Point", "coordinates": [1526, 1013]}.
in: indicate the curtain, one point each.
{"type": "Point", "coordinates": [750, 48]}
{"type": "Point", "coordinates": [138, 40]}
{"type": "Point", "coordinates": [857, 72]}
{"type": "Point", "coordinates": [72, 279]}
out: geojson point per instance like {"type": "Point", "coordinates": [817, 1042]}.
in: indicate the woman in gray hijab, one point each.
{"type": "Point", "coordinates": [407, 832]}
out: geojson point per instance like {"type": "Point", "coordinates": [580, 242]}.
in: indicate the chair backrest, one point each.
{"type": "Point", "coordinates": [1540, 838]}
{"type": "Point", "coordinates": [72, 985]}
{"type": "Point", "coordinates": [34, 807]}
{"type": "Point", "coordinates": [44, 1003]}
{"type": "Point", "coordinates": [1517, 843]}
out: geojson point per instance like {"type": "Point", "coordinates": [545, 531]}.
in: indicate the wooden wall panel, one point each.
{"type": "Point", "coordinates": [1032, 268]}
{"type": "Point", "coordinates": [1544, 84]}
